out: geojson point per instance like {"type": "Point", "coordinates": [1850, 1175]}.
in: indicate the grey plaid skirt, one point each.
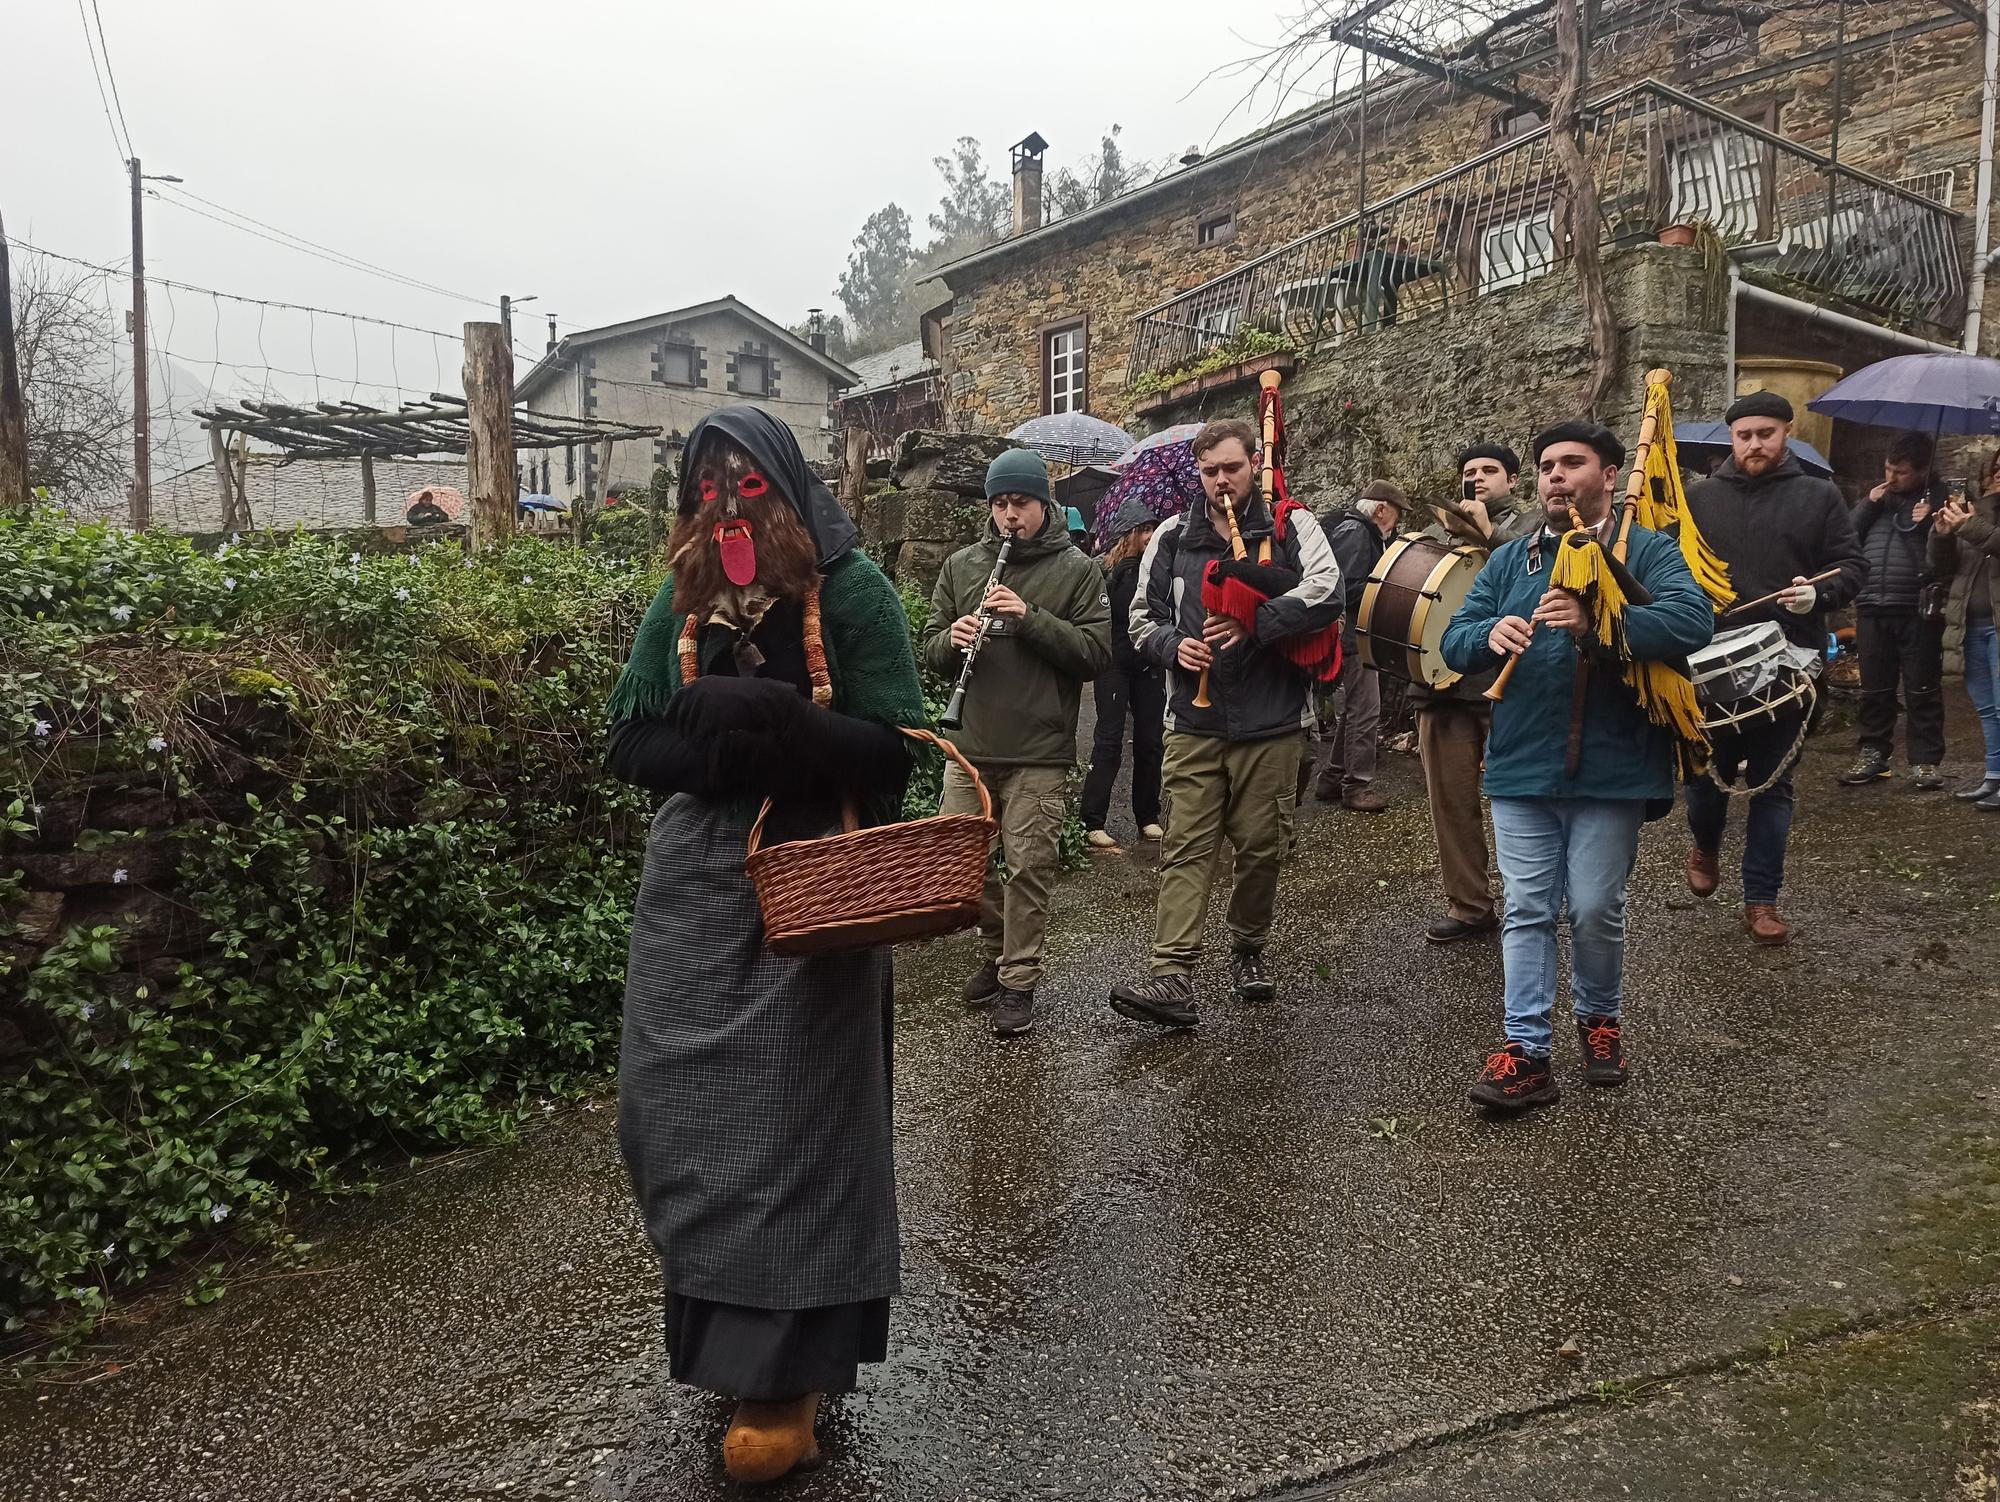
{"type": "Point", "coordinates": [754, 1089]}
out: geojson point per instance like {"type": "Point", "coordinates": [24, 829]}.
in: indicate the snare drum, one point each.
{"type": "Point", "coordinates": [1748, 674]}
{"type": "Point", "coordinates": [1411, 597]}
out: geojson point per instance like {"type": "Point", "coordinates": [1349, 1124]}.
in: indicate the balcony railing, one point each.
{"type": "Point", "coordinates": [1660, 157]}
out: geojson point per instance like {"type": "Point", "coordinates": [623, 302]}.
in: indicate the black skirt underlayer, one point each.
{"type": "Point", "coordinates": [772, 1355]}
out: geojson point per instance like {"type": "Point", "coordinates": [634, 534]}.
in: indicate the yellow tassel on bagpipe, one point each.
{"type": "Point", "coordinates": [1663, 691]}
{"type": "Point", "coordinates": [1662, 504]}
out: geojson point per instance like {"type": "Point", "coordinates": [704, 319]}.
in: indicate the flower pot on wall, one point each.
{"type": "Point", "coordinates": [1677, 234]}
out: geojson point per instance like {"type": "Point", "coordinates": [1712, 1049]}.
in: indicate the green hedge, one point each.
{"type": "Point", "coordinates": [411, 883]}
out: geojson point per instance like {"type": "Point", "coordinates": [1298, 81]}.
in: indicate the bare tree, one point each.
{"type": "Point", "coordinates": [79, 427]}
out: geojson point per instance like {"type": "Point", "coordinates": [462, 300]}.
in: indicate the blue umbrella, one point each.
{"type": "Point", "coordinates": [1926, 393]}
{"type": "Point", "coordinates": [1704, 442]}
{"type": "Point", "coordinates": [1073, 438]}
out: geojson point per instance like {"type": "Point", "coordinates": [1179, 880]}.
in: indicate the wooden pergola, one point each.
{"type": "Point", "coordinates": [483, 426]}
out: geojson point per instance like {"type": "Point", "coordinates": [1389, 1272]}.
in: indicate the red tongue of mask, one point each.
{"type": "Point", "coordinates": [739, 551]}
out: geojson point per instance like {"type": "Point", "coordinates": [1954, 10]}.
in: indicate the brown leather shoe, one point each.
{"type": "Point", "coordinates": [1762, 923]}
{"type": "Point", "coordinates": [769, 1440]}
{"type": "Point", "coordinates": [1702, 872]}
{"type": "Point", "coordinates": [1367, 799]}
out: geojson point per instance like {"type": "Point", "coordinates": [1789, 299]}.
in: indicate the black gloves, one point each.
{"type": "Point", "coordinates": [710, 708]}
{"type": "Point", "coordinates": [1269, 579]}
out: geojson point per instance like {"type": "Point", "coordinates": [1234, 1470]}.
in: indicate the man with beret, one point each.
{"type": "Point", "coordinates": [1049, 634]}
{"type": "Point", "coordinates": [1574, 765]}
{"type": "Point", "coordinates": [1358, 535]}
{"type": "Point", "coordinates": [1775, 526]}
{"type": "Point", "coordinates": [1452, 722]}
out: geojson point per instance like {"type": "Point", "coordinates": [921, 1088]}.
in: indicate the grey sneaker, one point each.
{"type": "Point", "coordinates": [1167, 1000]}
{"type": "Point", "coordinates": [1013, 1013]}
{"type": "Point", "coordinates": [1869, 766]}
{"type": "Point", "coordinates": [1247, 973]}
{"type": "Point", "coordinates": [1925, 778]}
{"type": "Point", "coordinates": [984, 987]}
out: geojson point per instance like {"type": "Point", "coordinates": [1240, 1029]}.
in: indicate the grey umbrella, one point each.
{"type": "Point", "coordinates": [1073, 438]}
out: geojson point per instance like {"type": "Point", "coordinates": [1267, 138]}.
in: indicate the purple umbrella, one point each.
{"type": "Point", "coordinates": [1164, 478]}
{"type": "Point", "coordinates": [1927, 393]}
{"type": "Point", "coordinates": [1179, 433]}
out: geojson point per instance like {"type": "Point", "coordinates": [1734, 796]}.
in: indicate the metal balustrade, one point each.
{"type": "Point", "coordinates": [1660, 158]}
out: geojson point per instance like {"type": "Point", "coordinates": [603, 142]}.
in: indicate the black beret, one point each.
{"type": "Point", "coordinates": [1758, 404]}
{"type": "Point", "coordinates": [1506, 457]}
{"type": "Point", "coordinates": [1594, 434]}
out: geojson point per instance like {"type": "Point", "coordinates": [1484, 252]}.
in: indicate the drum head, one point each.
{"type": "Point", "coordinates": [1450, 582]}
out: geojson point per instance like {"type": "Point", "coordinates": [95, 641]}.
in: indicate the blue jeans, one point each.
{"type": "Point", "coordinates": [1753, 752]}
{"type": "Point", "coordinates": [1552, 849]}
{"type": "Point", "coordinates": [1982, 682]}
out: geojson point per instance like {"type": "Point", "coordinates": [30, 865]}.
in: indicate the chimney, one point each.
{"type": "Point", "coordinates": [1027, 157]}
{"type": "Point", "coordinates": [816, 328]}
{"type": "Point", "coordinates": [552, 335]}
{"type": "Point", "coordinates": [1191, 157]}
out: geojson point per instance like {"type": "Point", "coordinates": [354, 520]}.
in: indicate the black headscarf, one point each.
{"type": "Point", "coordinates": [778, 455]}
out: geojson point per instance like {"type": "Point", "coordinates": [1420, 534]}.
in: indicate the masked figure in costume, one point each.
{"type": "Point", "coordinates": [754, 1088]}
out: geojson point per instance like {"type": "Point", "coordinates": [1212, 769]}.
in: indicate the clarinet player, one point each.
{"type": "Point", "coordinates": [1047, 624]}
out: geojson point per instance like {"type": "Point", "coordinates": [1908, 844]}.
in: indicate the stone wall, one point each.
{"type": "Point", "coordinates": [933, 505]}
{"type": "Point", "coordinates": [1400, 403]}
{"type": "Point", "coordinates": [1911, 107]}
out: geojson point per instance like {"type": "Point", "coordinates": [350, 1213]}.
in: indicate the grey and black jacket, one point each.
{"type": "Point", "coordinates": [1897, 547]}
{"type": "Point", "coordinates": [1255, 690]}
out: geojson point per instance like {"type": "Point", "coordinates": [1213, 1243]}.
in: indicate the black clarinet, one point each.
{"type": "Point", "coordinates": [954, 712]}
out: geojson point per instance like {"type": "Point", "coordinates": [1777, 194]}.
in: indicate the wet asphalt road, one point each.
{"type": "Point", "coordinates": [1192, 1265]}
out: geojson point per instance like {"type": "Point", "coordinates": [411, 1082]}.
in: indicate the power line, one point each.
{"type": "Point", "coordinates": [310, 247]}
{"type": "Point", "coordinates": [105, 47]}
{"type": "Point", "coordinates": [123, 149]}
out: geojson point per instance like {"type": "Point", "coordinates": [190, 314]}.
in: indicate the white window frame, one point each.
{"type": "Point", "coordinates": [1514, 239]}
{"type": "Point", "coordinates": [1216, 229]}
{"type": "Point", "coordinates": [1066, 367]}
{"type": "Point", "coordinates": [1729, 165]}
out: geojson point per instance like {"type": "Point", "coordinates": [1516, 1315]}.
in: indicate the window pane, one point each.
{"type": "Point", "coordinates": [753, 376]}
{"type": "Point", "coordinates": [677, 365]}
{"type": "Point", "coordinates": [1065, 364]}
{"type": "Point", "coordinates": [1511, 253]}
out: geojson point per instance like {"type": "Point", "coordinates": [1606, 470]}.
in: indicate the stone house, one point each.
{"type": "Point", "coordinates": [670, 370]}
{"type": "Point", "coordinates": [1392, 245]}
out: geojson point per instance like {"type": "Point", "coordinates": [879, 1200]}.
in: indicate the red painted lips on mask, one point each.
{"type": "Point", "coordinates": [738, 549]}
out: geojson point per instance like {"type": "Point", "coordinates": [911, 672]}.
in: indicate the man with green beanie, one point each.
{"type": "Point", "coordinates": [1049, 634]}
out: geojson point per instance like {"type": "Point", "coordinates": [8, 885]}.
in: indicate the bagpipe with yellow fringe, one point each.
{"type": "Point", "coordinates": [1598, 577]}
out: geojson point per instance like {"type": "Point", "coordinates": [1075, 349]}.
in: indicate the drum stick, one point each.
{"type": "Point", "coordinates": [1771, 598]}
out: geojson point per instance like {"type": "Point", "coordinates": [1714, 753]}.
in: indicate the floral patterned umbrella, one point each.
{"type": "Point", "coordinates": [1161, 475]}
{"type": "Point", "coordinates": [1178, 433]}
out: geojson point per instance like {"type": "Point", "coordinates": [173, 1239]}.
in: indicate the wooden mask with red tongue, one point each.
{"type": "Point", "coordinates": [735, 539]}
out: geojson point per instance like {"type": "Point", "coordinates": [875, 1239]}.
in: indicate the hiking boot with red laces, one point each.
{"type": "Point", "coordinates": [1603, 1050]}
{"type": "Point", "coordinates": [1514, 1080]}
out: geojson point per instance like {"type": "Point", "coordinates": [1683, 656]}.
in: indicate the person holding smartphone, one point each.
{"type": "Point", "coordinates": [1965, 542]}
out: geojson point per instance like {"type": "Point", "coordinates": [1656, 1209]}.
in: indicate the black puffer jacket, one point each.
{"type": "Point", "coordinates": [1358, 545]}
{"type": "Point", "coordinates": [1897, 548]}
{"type": "Point", "coordinates": [1123, 584]}
{"type": "Point", "coordinates": [1776, 527]}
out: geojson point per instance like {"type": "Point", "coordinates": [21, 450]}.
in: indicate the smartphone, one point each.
{"type": "Point", "coordinates": [1469, 491]}
{"type": "Point", "coordinates": [1955, 490]}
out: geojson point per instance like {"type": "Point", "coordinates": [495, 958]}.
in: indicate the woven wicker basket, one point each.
{"type": "Point", "coordinates": [885, 885]}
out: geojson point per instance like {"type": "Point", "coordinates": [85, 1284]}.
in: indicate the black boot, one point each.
{"type": "Point", "coordinates": [984, 987]}
{"type": "Point", "coordinates": [1983, 789]}
{"type": "Point", "coordinates": [1603, 1050]}
{"type": "Point", "coordinates": [1247, 973]}
{"type": "Point", "coordinates": [1013, 1013]}
{"type": "Point", "coordinates": [1164, 999]}
{"type": "Point", "coordinates": [1514, 1080]}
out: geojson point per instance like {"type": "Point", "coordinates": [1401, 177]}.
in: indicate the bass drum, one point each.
{"type": "Point", "coordinates": [1411, 597]}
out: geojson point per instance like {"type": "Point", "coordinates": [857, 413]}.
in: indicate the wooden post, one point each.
{"type": "Point", "coordinates": [13, 413]}
{"type": "Point", "coordinates": [603, 474]}
{"type": "Point", "coordinates": [489, 450]}
{"type": "Point", "coordinates": [854, 477]}
{"type": "Point", "coordinates": [241, 520]}
{"type": "Point", "coordinates": [368, 489]}
{"type": "Point", "coordinates": [218, 455]}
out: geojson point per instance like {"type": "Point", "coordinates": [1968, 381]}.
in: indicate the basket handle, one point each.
{"type": "Point", "coordinates": [850, 819]}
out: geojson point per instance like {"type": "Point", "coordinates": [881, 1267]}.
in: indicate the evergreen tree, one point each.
{"type": "Point", "coordinates": [875, 286]}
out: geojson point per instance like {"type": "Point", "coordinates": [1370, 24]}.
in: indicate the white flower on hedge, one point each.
{"type": "Point", "coordinates": [218, 1213]}
{"type": "Point", "coordinates": [86, 1011]}
{"type": "Point", "coordinates": [355, 559]}
{"type": "Point", "coordinates": [126, 1062]}
{"type": "Point", "coordinates": [109, 1251]}
{"type": "Point", "coordinates": [120, 876]}
{"type": "Point", "coordinates": [228, 583]}
{"type": "Point", "coordinates": [42, 729]}
{"type": "Point", "coordinates": [157, 743]}
{"type": "Point", "coordinates": [402, 594]}
{"type": "Point", "coordinates": [527, 578]}
{"type": "Point", "coordinates": [121, 613]}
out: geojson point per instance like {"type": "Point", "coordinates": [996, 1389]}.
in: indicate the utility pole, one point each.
{"type": "Point", "coordinates": [142, 454]}
{"type": "Point", "coordinates": [489, 452]}
{"type": "Point", "coordinates": [507, 306]}
{"type": "Point", "coordinates": [13, 417]}
{"type": "Point", "coordinates": [142, 457]}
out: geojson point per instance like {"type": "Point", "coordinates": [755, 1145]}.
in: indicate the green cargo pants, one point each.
{"type": "Point", "coordinates": [1014, 915]}
{"type": "Point", "coordinates": [1242, 791]}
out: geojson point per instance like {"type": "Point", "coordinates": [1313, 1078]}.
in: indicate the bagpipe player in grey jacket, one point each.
{"type": "Point", "coordinates": [1231, 768]}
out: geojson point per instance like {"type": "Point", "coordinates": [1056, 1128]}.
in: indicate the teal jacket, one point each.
{"type": "Point", "coordinates": [1624, 755]}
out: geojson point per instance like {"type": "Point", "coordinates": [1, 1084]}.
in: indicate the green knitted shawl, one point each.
{"type": "Point", "coordinates": [869, 658]}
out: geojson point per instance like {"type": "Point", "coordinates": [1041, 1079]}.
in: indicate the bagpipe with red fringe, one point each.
{"type": "Point", "coordinates": [1237, 588]}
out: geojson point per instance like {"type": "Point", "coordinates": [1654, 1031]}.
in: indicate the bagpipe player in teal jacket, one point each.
{"type": "Point", "coordinates": [1574, 766]}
